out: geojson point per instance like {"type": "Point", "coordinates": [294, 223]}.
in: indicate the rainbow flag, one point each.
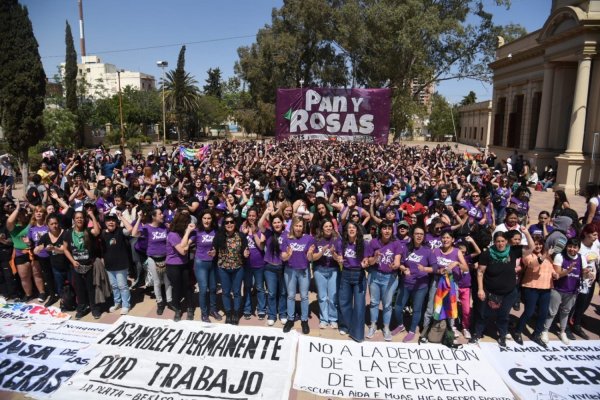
{"type": "Point", "coordinates": [191, 154]}
{"type": "Point", "coordinates": [445, 304]}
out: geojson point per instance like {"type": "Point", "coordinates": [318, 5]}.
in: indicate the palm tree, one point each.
{"type": "Point", "coordinates": [181, 93]}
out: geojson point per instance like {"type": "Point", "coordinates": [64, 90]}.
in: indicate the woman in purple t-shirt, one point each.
{"type": "Point", "coordinates": [155, 233]}
{"type": "Point", "coordinates": [205, 266]}
{"type": "Point", "coordinates": [417, 264]}
{"type": "Point", "coordinates": [177, 262]}
{"type": "Point", "coordinates": [295, 249]}
{"type": "Point", "coordinates": [276, 290]}
{"type": "Point", "coordinates": [254, 268]}
{"type": "Point", "coordinates": [325, 271]}
{"type": "Point", "coordinates": [353, 285]}
{"type": "Point", "coordinates": [41, 260]}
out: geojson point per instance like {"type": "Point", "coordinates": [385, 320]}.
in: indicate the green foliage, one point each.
{"type": "Point", "coordinates": [511, 32]}
{"type": "Point", "coordinates": [214, 85]}
{"type": "Point", "coordinates": [471, 98]}
{"type": "Point", "coordinates": [211, 111]}
{"type": "Point", "coordinates": [370, 43]}
{"type": "Point", "coordinates": [70, 71]}
{"type": "Point", "coordinates": [22, 80]}
{"type": "Point", "coordinates": [61, 128]}
{"type": "Point", "coordinates": [134, 137]}
{"type": "Point", "coordinates": [440, 120]}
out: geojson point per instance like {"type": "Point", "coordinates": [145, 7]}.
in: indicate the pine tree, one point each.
{"type": "Point", "coordinates": [214, 85]}
{"type": "Point", "coordinates": [22, 82]}
{"type": "Point", "coordinates": [71, 77]}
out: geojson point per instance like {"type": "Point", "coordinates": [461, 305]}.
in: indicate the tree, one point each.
{"type": "Point", "coordinates": [61, 125]}
{"type": "Point", "coordinates": [440, 120]}
{"type": "Point", "coordinates": [370, 43]}
{"type": "Point", "coordinates": [22, 82]}
{"type": "Point", "coordinates": [70, 80]}
{"type": "Point", "coordinates": [214, 85]}
{"type": "Point", "coordinates": [471, 98]}
{"type": "Point", "coordinates": [181, 93]}
{"type": "Point", "coordinates": [211, 111]}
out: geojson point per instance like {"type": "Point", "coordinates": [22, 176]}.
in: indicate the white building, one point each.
{"type": "Point", "coordinates": [103, 79]}
{"type": "Point", "coordinates": [475, 123]}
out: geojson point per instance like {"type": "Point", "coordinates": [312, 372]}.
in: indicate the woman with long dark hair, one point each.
{"type": "Point", "coordinates": [52, 243]}
{"type": "Point", "coordinates": [41, 260]}
{"type": "Point", "coordinates": [325, 271]}
{"type": "Point", "coordinates": [276, 289]}
{"type": "Point", "coordinates": [352, 291]}
{"type": "Point", "coordinates": [231, 247]}
{"type": "Point", "coordinates": [254, 268]}
{"type": "Point", "coordinates": [205, 266]}
{"type": "Point", "coordinates": [178, 263]}
{"type": "Point", "coordinates": [81, 250]}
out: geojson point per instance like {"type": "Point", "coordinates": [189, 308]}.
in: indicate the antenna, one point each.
{"type": "Point", "coordinates": [81, 33]}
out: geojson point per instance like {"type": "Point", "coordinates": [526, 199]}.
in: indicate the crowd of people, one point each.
{"type": "Point", "coordinates": [431, 234]}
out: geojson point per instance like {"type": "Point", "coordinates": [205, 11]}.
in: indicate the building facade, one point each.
{"type": "Point", "coordinates": [546, 85]}
{"type": "Point", "coordinates": [103, 79]}
{"type": "Point", "coordinates": [475, 123]}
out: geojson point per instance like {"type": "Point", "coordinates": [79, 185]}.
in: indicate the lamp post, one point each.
{"type": "Point", "coordinates": [593, 167]}
{"type": "Point", "coordinates": [163, 65]}
{"type": "Point", "coordinates": [121, 106]}
{"type": "Point", "coordinates": [301, 84]}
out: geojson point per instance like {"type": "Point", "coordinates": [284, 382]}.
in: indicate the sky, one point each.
{"type": "Point", "coordinates": [134, 34]}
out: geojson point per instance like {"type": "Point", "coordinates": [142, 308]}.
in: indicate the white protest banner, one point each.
{"type": "Point", "coordinates": [22, 319]}
{"type": "Point", "coordinates": [395, 371]}
{"type": "Point", "coordinates": [557, 373]}
{"type": "Point", "coordinates": [38, 369]}
{"type": "Point", "coordinates": [146, 358]}
{"type": "Point", "coordinates": [71, 334]}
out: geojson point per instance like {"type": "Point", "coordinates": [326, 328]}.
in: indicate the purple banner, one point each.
{"type": "Point", "coordinates": [335, 114]}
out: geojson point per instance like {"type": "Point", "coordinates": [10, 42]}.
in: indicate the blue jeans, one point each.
{"type": "Point", "coordinates": [120, 289]}
{"type": "Point", "coordinates": [352, 295]}
{"type": "Point", "coordinates": [297, 279]}
{"type": "Point", "coordinates": [326, 279]}
{"type": "Point", "coordinates": [254, 276]}
{"type": "Point", "coordinates": [382, 288]}
{"type": "Point", "coordinates": [60, 276]}
{"type": "Point", "coordinates": [231, 282]}
{"type": "Point", "coordinates": [276, 292]}
{"type": "Point", "coordinates": [205, 275]}
{"type": "Point", "coordinates": [531, 299]}
{"type": "Point", "coordinates": [502, 314]}
{"type": "Point", "coordinates": [418, 298]}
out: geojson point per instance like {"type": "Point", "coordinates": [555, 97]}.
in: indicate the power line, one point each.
{"type": "Point", "coordinates": [163, 45]}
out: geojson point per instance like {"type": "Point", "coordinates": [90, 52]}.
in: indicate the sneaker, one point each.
{"type": "Point", "coordinates": [502, 342]}
{"type": "Point", "coordinates": [517, 306]}
{"type": "Point", "coordinates": [205, 318]}
{"type": "Point", "coordinates": [474, 339]}
{"type": "Point", "coordinates": [124, 311]}
{"type": "Point", "coordinates": [305, 328]}
{"type": "Point", "coordinates": [409, 337]}
{"type": "Point", "coordinates": [570, 335]}
{"type": "Point", "coordinates": [247, 316]}
{"type": "Point", "coordinates": [288, 326]}
{"type": "Point", "coordinates": [323, 325]}
{"type": "Point", "coordinates": [114, 308]}
{"type": "Point", "coordinates": [271, 322]}
{"type": "Point", "coordinates": [79, 315]}
{"type": "Point", "coordinates": [171, 307]}
{"type": "Point", "coordinates": [537, 339]}
{"type": "Point", "coordinates": [96, 314]}
{"type": "Point", "coordinates": [42, 297]}
{"type": "Point", "coordinates": [518, 338]}
{"type": "Point", "coordinates": [215, 314]}
{"type": "Point", "coordinates": [399, 328]}
{"type": "Point", "coordinates": [387, 334]}
{"type": "Point", "coordinates": [261, 316]}
{"type": "Point", "coordinates": [343, 332]}
{"type": "Point", "coordinates": [371, 332]}
{"type": "Point", "coordinates": [544, 337]}
{"type": "Point", "coordinates": [423, 340]}
{"type": "Point", "coordinates": [51, 300]}
{"type": "Point", "coordinates": [508, 337]}
{"type": "Point", "coordinates": [466, 334]}
{"type": "Point", "coordinates": [456, 332]}
{"type": "Point", "coordinates": [564, 338]}
{"type": "Point", "coordinates": [334, 325]}
{"type": "Point", "coordinates": [177, 316]}
{"type": "Point", "coordinates": [578, 330]}
{"type": "Point", "coordinates": [283, 320]}
{"type": "Point", "coordinates": [160, 308]}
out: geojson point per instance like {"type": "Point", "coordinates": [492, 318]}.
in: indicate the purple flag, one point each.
{"type": "Point", "coordinates": [335, 114]}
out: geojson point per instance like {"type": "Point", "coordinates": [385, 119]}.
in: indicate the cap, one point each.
{"type": "Point", "coordinates": [111, 217]}
{"type": "Point", "coordinates": [403, 224]}
{"type": "Point", "coordinates": [320, 194]}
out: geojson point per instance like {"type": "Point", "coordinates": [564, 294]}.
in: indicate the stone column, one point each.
{"type": "Point", "coordinates": [580, 101]}
{"type": "Point", "coordinates": [541, 140]}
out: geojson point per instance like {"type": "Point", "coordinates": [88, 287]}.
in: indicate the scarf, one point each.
{"type": "Point", "coordinates": [498, 255]}
{"type": "Point", "coordinates": [78, 240]}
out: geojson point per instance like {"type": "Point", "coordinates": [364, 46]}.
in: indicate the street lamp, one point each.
{"type": "Point", "coordinates": [163, 65]}
{"type": "Point", "coordinates": [121, 106]}
{"type": "Point", "coordinates": [301, 84]}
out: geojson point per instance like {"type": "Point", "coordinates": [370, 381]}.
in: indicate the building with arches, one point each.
{"type": "Point", "coordinates": [546, 102]}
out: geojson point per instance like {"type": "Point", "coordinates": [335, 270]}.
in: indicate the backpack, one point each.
{"type": "Point", "coordinates": [436, 331]}
{"type": "Point", "coordinates": [67, 298]}
{"type": "Point", "coordinates": [33, 196]}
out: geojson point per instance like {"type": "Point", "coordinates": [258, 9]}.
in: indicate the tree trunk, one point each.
{"type": "Point", "coordinates": [25, 169]}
